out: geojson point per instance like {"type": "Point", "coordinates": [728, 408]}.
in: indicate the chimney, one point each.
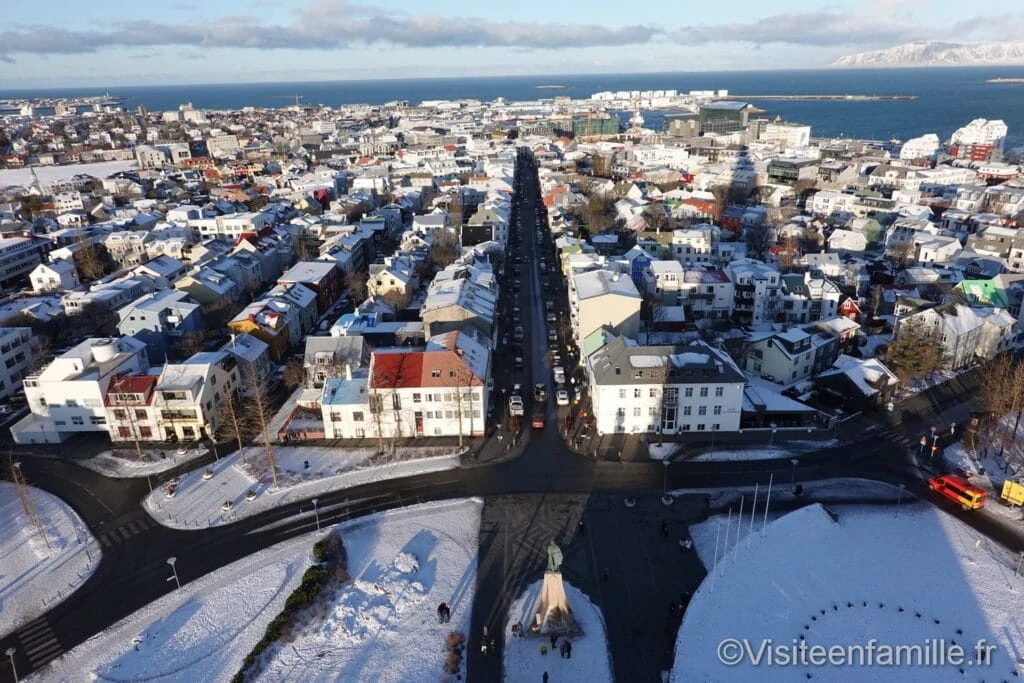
{"type": "Point", "coordinates": [348, 371]}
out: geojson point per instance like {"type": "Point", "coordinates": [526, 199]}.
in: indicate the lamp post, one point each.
{"type": "Point", "coordinates": [899, 499]}
{"type": "Point", "coordinates": [316, 513]}
{"type": "Point", "coordinates": [665, 485]}
{"type": "Point", "coordinates": [174, 572]}
{"type": "Point", "coordinates": [935, 445]}
{"type": "Point", "coordinates": [792, 477]}
{"type": "Point", "coordinates": [10, 654]}
{"type": "Point", "coordinates": [714, 428]}
{"type": "Point", "coordinates": [771, 440]}
{"type": "Point", "coordinates": [923, 442]}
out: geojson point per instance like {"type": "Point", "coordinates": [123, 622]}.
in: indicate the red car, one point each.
{"type": "Point", "coordinates": [538, 421]}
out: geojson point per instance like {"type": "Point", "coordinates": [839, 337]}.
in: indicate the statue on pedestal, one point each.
{"type": "Point", "coordinates": [553, 616]}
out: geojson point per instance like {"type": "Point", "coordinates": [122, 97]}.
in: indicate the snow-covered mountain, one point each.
{"type": "Point", "coordinates": [932, 53]}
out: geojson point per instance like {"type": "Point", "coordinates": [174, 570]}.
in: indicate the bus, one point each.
{"type": "Point", "coordinates": [959, 490]}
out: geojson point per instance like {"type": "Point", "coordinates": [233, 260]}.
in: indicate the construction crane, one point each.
{"type": "Point", "coordinates": [297, 98]}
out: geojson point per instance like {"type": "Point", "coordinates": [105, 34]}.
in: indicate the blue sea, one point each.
{"type": "Point", "coordinates": [947, 97]}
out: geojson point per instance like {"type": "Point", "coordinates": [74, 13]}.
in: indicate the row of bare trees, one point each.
{"type": "Point", "coordinates": [1001, 396]}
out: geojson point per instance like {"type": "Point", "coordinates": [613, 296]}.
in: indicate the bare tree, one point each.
{"type": "Point", "coordinates": [14, 468]}
{"type": "Point", "coordinates": [877, 299]}
{"type": "Point", "coordinates": [190, 343]}
{"type": "Point", "coordinates": [294, 373]}
{"type": "Point", "coordinates": [760, 239]}
{"type": "Point", "coordinates": [444, 250]}
{"type": "Point", "coordinates": [260, 413]}
{"type": "Point", "coordinates": [462, 385]}
{"type": "Point", "coordinates": [125, 413]}
{"type": "Point", "coordinates": [657, 218]}
{"type": "Point", "coordinates": [900, 253]}
{"type": "Point", "coordinates": [355, 281]}
{"type": "Point", "coordinates": [231, 422]}
{"type": "Point", "coordinates": [92, 261]}
{"type": "Point", "coordinates": [596, 212]}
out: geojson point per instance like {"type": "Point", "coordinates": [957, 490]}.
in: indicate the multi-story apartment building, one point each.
{"type": "Point", "coordinates": [806, 298]}
{"type": "Point", "coordinates": [694, 245]}
{"type": "Point", "coordinates": [758, 289]}
{"type": "Point", "coordinates": [19, 255]}
{"type": "Point", "coordinates": [602, 297]}
{"type": "Point", "coordinates": [67, 396]}
{"type": "Point", "coordinates": [664, 389]}
{"type": "Point", "coordinates": [440, 390]}
{"type": "Point", "coordinates": [188, 395]}
{"type": "Point", "coordinates": [707, 293]}
{"type": "Point", "coordinates": [160, 319]}
{"type": "Point", "coordinates": [131, 411]}
{"type": "Point", "coordinates": [17, 358]}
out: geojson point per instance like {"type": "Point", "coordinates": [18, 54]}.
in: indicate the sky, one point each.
{"type": "Point", "coordinates": [63, 43]}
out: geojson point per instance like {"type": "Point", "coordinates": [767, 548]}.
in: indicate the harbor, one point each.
{"type": "Point", "coordinates": [69, 105]}
{"type": "Point", "coordinates": [844, 98]}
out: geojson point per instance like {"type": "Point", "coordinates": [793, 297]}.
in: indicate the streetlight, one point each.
{"type": "Point", "coordinates": [665, 486]}
{"type": "Point", "coordinates": [714, 428]}
{"type": "Point", "coordinates": [899, 499]}
{"type": "Point", "coordinates": [10, 653]}
{"type": "Point", "coordinates": [316, 512]}
{"type": "Point", "coordinates": [923, 442]}
{"type": "Point", "coordinates": [771, 440]}
{"type": "Point", "coordinates": [792, 478]}
{"type": "Point", "coordinates": [935, 445]}
{"type": "Point", "coordinates": [174, 572]}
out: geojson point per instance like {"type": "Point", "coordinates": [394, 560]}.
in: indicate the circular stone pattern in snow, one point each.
{"type": "Point", "coordinates": [863, 583]}
{"type": "Point", "coordinates": [407, 563]}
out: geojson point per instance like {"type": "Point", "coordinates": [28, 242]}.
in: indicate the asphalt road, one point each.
{"type": "Point", "coordinates": [539, 495]}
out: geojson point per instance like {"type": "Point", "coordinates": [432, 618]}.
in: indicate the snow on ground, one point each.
{"type": "Point", "coordinates": [201, 632]}
{"type": "Point", "coordinates": [124, 462]}
{"type": "Point", "coordinates": [383, 624]}
{"type": "Point", "coordinates": [916, 385]}
{"type": "Point", "coordinates": [33, 576]}
{"type": "Point", "coordinates": [847, 490]}
{"type": "Point", "coordinates": [199, 501]}
{"type": "Point", "coordinates": [785, 449]}
{"type": "Point", "coordinates": [22, 177]}
{"type": "Point", "coordinates": [590, 662]}
{"type": "Point", "coordinates": [660, 451]}
{"type": "Point", "coordinates": [999, 462]}
{"type": "Point", "coordinates": [915, 579]}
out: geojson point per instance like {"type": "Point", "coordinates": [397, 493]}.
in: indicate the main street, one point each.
{"type": "Point", "coordinates": [541, 493]}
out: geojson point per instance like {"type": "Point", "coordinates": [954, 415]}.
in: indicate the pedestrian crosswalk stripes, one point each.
{"type": "Point", "coordinates": [39, 642]}
{"type": "Point", "coordinates": [125, 531]}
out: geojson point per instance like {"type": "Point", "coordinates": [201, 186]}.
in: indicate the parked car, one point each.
{"type": "Point", "coordinates": [540, 393]}
{"type": "Point", "coordinates": [550, 317]}
{"type": "Point", "coordinates": [577, 393]}
{"type": "Point", "coordinates": [562, 397]}
{"type": "Point", "coordinates": [558, 372]}
{"type": "Point", "coordinates": [515, 406]}
{"type": "Point", "coordinates": [518, 333]}
{"type": "Point", "coordinates": [552, 334]}
{"type": "Point", "coordinates": [538, 420]}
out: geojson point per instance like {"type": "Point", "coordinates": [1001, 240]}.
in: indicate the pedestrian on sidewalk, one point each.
{"type": "Point", "coordinates": [561, 649]}
{"type": "Point", "coordinates": [568, 649]}
{"type": "Point", "coordinates": [554, 640]}
{"type": "Point", "coordinates": [545, 678]}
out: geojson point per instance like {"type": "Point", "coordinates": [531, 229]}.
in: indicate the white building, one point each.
{"type": "Point", "coordinates": [664, 389]}
{"type": "Point", "coordinates": [56, 276]}
{"type": "Point", "coordinates": [67, 396]}
{"type": "Point", "coordinates": [923, 147]}
{"type": "Point", "coordinates": [602, 297]}
{"type": "Point", "coordinates": [758, 289]}
{"type": "Point", "coordinates": [188, 395]}
{"type": "Point", "coordinates": [980, 132]}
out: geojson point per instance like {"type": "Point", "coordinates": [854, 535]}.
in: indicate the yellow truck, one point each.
{"type": "Point", "coordinates": [1013, 493]}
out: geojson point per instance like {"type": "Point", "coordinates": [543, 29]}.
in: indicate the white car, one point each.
{"type": "Point", "coordinates": [562, 397]}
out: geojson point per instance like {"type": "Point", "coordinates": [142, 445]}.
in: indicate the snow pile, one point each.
{"type": "Point", "coordinates": [37, 574]}
{"type": "Point", "coordinates": [233, 490]}
{"type": "Point", "coordinates": [383, 626]}
{"type": "Point", "coordinates": [662, 451]}
{"type": "Point", "coordinates": [199, 633]}
{"type": "Point", "coordinates": [47, 175]}
{"type": "Point", "coordinates": [911, 579]}
{"type": "Point", "coordinates": [125, 462]}
{"type": "Point", "coordinates": [590, 662]}
{"type": "Point", "coordinates": [404, 563]}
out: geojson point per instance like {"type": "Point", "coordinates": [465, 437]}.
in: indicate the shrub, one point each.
{"type": "Point", "coordinates": [452, 663]}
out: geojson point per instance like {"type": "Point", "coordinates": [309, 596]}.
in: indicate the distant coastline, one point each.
{"type": "Point", "coordinates": [1005, 80]}
{"type": "Point", "coordinates": [551, 87]}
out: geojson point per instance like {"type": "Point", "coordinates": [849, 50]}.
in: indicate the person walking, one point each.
{"type": "Point", "coordinates": [554, 641]}
{"type": "Point", "coordinates": [561, 649]}
{"type": "Point", "coordinates": [568, 649]}
{"type": "Point", "coordinates": [545, 677]}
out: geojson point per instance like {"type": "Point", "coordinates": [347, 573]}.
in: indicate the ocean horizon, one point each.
{"type": "Point", "coordinates": [947, 98]}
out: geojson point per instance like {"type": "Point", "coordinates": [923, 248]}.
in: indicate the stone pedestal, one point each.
{"type": "Point", "coordinates": [553, 615]}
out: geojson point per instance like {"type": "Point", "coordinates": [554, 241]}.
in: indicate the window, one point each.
{"type": "Point", "coordinates": [620, 412]}
{"type": "Point", "coordinates": [687, 410]}
{"type": "Point", "coordinates": [77, 420]}
{"type": "Point", "coordinates": [688, 392]}
{"type": "Point", "coordinates": [700, 428]}
{"type": "Point", "coordinates": [686, 427]}
{"type": "Point", "coordinates": [417, 398]}
{"type": "Point", "coordinates": [453, 373]}
{"type": "Point", "coordinates": [652, 412]}
{"type": "Point", "coordinates": [145, 433]}
{"type": "Point", "coordinates": [638, 374]}
{"type": "Point", "coordinates": [101, 420]}
{"type": "Point", "coordinates": [653, 393]}
{"type": "Point", "coordinates": [703, 392]}
{"type": "Point", "coordinates": [357, 416]}
{"type": "Point", "coordinates": [121, 414]}
{"type": "Point", "coordinates": [702, 410]}
{"type": "Point", "coordinates": [717, 410]}
{"type": "Point", "coordinates": [636, 412]}
{"type": "Point", "coordinates": [396, 401]}
{"type": "Point", "coordinates": [715, 427]}
{"type": "Point", "coordinates": [71, 403]}
{"type": "Point", "coordinates": [449, 414]}
{"type": "Point", "coordinates": [476, 414]}
{"type": "Point", "coordinates": [376, 404]}
{"type": "Point", "coordinates": [435, 373]}
{"type": "Point", "coordinates": [622, 393]}
{"type": "Point", "coordinates": [637, 393]}
{"type": "Point", "coordinates": [124, 432]}
{"type": "Point", "coordinates": [719, 391]}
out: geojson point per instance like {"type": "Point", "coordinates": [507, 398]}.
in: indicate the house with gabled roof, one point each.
{"type": "Point", "coordinates": [856, 384]}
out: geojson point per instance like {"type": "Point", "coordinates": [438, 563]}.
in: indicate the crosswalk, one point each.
{"type": "Point", "coordinates": [125, 531]}
{"type": "Point", "coordinates": [38, 642]}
